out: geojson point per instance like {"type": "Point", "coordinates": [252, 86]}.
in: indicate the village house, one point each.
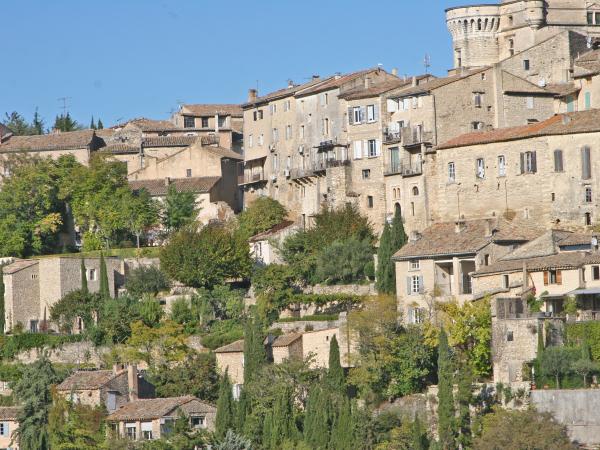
{"type": "Point", "coordinates": [5, 133]}
{"type": "Point", "coordinates": [437, 265]}
{"type": "Point", "coordinates": [155, 418]}
{"type": "Point", "coordinates": [8, 425]}
{"type": "Point", "coordinates": [264, 247]}
{"type": "Point", "coordinates": [33, 286]}
{"type": "Point", "coordinates": [108, 388]}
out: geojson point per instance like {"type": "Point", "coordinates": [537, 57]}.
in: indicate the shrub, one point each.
{"type": "Point", "coordinates": [146, 280]}
{"type": "Point", "coordinates": [311, 318]}
{"type": "Point", "coordinates": [344, 261]}
{"type": "Point", "coordinates": [261, 215]}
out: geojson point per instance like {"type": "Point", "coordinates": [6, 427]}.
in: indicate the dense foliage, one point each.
{"type": "Point", "coordinates": [180, 209]}
{"type": "Point", "coordinates": [146, 280]}
{"type": "Point", "coordinates": [392, 239]}
{"type": "Point", "coordinates": [261, 215]}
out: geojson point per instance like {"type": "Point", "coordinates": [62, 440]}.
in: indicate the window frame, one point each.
{"type": "Point", "coordinates": [187, 123]}
{"type": "Point", "coordinates": [414, 264]}
{"type": "Point", "coordinates": [501, 165]}
{"type": "Point", "coordinates": [415, 285]}
{"type": "Point", "coordinates": [205, 122]}
{"type": "Point", "coordinates": [372, 148]}
{"type": "Point", "coordinates": [480, 168]}
{"type": "Point", "coordinates": [451, 172]}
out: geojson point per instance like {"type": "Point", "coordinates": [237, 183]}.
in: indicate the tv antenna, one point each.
{"type": "Point", "coordinates": [64, 101]}
{"type": "Point", "coordinates": [427, 63]}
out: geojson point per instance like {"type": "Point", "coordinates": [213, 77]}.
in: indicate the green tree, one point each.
{"type": "Point", "coordinates": [84, 285]}
{"type": "Point", "coordinates": [344, 261]}
{"type": "Point", "coordinates": [556, 362]}
{"type": "Point", "coordinates": [181, 312]}
{"type": "Point", "coordinates": [158, 347]}
{"type": "Point", "coordinates": [100, 125]}
{"type": "Point", "coordinates": [93, 124]}
{"type": "Point", "coordinates": [76, 304]}
{"type": "Point", "coordinates": [283, 427]}
{"type": "Point", "coordinates": [317, 419]}
{"type": "Point", "coordinates": [104, 286]}
{"type": "Point", "coordinates": [146, 280]}
{"type": "Point", "coordinates": [2, 305]}
{"type": "Point", "coordinates": [392, 239]}
{"type": "Point", "coordinates": [65, 123]}
{"type": "Point", "coordinates": [37, 125]}
{"type": "Point", "coordinates": [583, 368]}
{"type": "Point", "coordinates": [342, 436]}
{"type": "Point", "coordinates": [233, 441]}
{"type": "Point", "coordinates": [261, 215]}
{"type": "Point", "coordinates": [18, 124]}
{"type": "Point", "coordinates": [274, 286]}
{"type": "Point", "coordinates": [205, 257]}
{"type": "Point", "coordinates": [464, 400]}
{"type": "Point", "coordinates": [75, 426]}
{"type": "Point", "coordinates": [522, 430]}
{"type": "Point", "coordinates": [33, 393]}
{"type": "Point", "coordinates": [225, 418]}
{"type": "Point", "coordinates": [446, 411]}
{"type": "Point", "coordinates": [254, 349]}
{"type": "Point", "coordinates": [335, 373]}
{"type": "Point", "coordinates": [179, 210]}
{"type": "Point", "coordinates": [116, 317]}
{"type": "Point", "coordinates": [141, 213]}
{"type": "Point", "coordinates": [151, 312]}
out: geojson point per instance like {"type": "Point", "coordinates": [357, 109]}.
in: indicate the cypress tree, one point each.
{"type": "Point", "coordinates": [342, 435]}
{"type": "Point", "coordinates": [385, 283]}
{"type": "Point", "coordinates": [2, 308]}
{"type": "Point", "coordinates": [104, 289]}
{"type": "Point", "coordinates": [225, 408]}
{"type": "Point", "coordinates": [267, 431]}
{"type": "Point", "coordinates": [283, 426]}
{"type": "Point", "coordinates": [84, 286]}
{"type": "Point", "coordinates": [446, 411]}
{"type": "Point", "coordinates": [397, 234]}
{"type": "Point", "coordinates": [242, 410]}
{"type": "Point", "coordinates": [418, 436]}
{"type": "Point", "coordinates": [465, 398]}
{"type": "Point", "coordinates": [100, 125]}
{"type": "Point", "coordinates": [335, 373]}
{"type": "Point", "coordinates": [317, 418]}
{"type": "Point", "coordinates": [254, 350]}
{"type": "Point", "coordinates": [92, 124]}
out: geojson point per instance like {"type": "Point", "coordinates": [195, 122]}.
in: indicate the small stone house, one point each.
{"type": "Point", "coordinates": [8, 424]}
{"type": "Point", "coordinates": [263, 246]}
{"type": "Point", "coordinates": [111, 388]}
{"type": "Point", "coordinates": [230, 358]}
{"type": "Point", "coordinates": [288, 346]}
{"type": "Point", "coordinates": [154, 418]}
{"type": "Point", "coordinates": [33, 286]}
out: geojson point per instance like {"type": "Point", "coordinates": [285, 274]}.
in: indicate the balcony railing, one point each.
{"type": "Point", "coordinates": [296, 174]}
{"type": "Point", "coordinates": [322, 165]}
{"type": "Point", "coordinates": [210, 140]}
{"type": "Point", "coordinates": [250, 178]}
{"type": "Point", "coordinates": [406, 169]}
{"type": "Point", "coordinates": [391, 136]}
{"type": "Point", "coordinates": [413, 136]}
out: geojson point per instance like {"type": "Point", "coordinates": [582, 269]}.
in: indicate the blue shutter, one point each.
{"type": "Point", "coordinates": [408, 286]}
{"type": "Point", "coordinates": [421, 287]}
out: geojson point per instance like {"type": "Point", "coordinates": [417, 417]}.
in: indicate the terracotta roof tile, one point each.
{"type": "Point", "coordinates": [155, 408]}
{"type": "Point", "coordinates": [145, 124]}
{"type": "Point", "coordinates": [333, 82]}
{"type": "Point", "coordinates": [160, 187]}
{"type": "Point", "coordinates": [286, 339]}
{"type": "Point", "coordinates": [514, 84]}
{"type": "Point", "coordinates": [224, 152]}
{"type": "Point", "coordinates": [282, 93]}
{"type": "Point", "coordinates": [211, 110]}
{"type": "Point", "coordinates": [9, 412]}
{"type": "Point", "coordinates": [434, 83]}
{"type": "Point", "coordinates": [234, 347]}
{"type": "Point", "coordinates": [566, 260]}
{"type": "Point", "coordinates": [120, 149]}
{"type": "Point", "coordinates": [56, 141]}
{"type": "Point", "coordinates": [378, 89]}
{"type": "Point", "coordinates": [86, 379]}
{"type": "Point", "coordinates": [272, 231]}
{"type": "Point", "coordinates": [561, 124]}
{"type": "Point", "coordinates": [169, 141]}
{"type": "Point", "coordinates": [18, 265]}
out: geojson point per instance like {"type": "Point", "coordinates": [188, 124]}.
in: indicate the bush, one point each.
{"type": "Point", "coordinates": [311, 318]}
{"type": "Point", "coordinates": [10, 346]}
{"type": "Point", "coordinates": [222, 333]}
{"type": "Point", "coordinates": [262, 214]}
{"type": "Point", "coordinates": [344, 262]}
{"type": "Point", "coordinates": [146, 280]}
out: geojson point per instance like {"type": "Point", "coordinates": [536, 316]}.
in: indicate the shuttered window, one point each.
{"type": "Point", "coordinates": [558, 161]}
{"type": "Point", "coordinates": [357, 149]}
{"type": "Point", "coordinates": [586, 163]}
{"type": "Point", "coordinates": [528, 162]}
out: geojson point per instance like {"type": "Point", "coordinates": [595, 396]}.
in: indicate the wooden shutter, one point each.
{"type": "Point", "coordinates": [378, 147]}
{"type": "Point", "coordinates": [533, 162]}
{"type": "Point", "coordinates": [421, 287]}
{"type": "Point", "coordinates": [366, 148]}
{"type": "Point", "coordinates": [586, 170]}
{"type": "Point", "coordinates": [558, 160]}
{"type": "Point", "coordinates": [408, 286]}
{"type": "Point", "coordinates": [559, 277]}
{"type": "Point", "coordinates": [376, 112]}
{"type": "Point", "coordinates": [522, 163]}
{"type": "Point", "coordinates": [351, 116]}
{"type": "Point", "coordinates": [363, 114]}
{"type": "Point", "coordinates": [546, 274]}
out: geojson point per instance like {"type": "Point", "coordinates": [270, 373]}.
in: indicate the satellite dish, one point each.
{"type": "Point", "coordinates": [542, 82]}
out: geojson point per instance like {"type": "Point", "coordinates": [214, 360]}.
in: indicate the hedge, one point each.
{"type": "Point", "coordinates": [578, 333]}
{"type": "Point", "coordinates": [313, 318]}
{"type": "Point", "coordinates": [10, 346]}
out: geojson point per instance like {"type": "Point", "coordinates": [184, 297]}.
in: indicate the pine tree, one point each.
{"type": "Point", "coordinates": [342, 435]}
{"type": "Point", "coordinates": [446, 410]}
{"type": "Point", "coordinates": [84, 285]}
{"type": "Point", "coordinates": [465, 398]}
{"type": "Point", "coordinates": [225, 408]}
{"type": "Point", "coordinates": [92, 124]}
{"type": "Point", "coordinates": [99, 125]}
{"type": "Point", "coordinates": [317, 418]}
{"type": "Point", "coordinates": [2, 308]}
{"type": "Point", "coordinates": [385, 267]}
{"type": "Point", "coordinates": [104, 289]}
{"type": "Point", "coordinates": [335, 373]}
{"type": "Point", "coordinates": [37, 125]}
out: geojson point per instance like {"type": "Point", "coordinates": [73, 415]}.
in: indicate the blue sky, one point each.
{"type": "Point", "coordinates": [119, 59]}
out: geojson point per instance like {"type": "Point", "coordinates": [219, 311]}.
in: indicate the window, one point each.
{"type": "Point", "coordinates": [588, 219]}
{"type": "Point", "coordinates": [366, 174]}
{"type": "Point", "coordinates": [288, 132]}
{"type": "Point", "coordinates": [275, 135]}
{"type": "Point", "coordinates": [477, 99]}
{"type": "Point", "coordinates": [486, 260]}
{"type": "Point", "coordinates": [458, 58]}
{"type": "Point", "coordinates": [261, 140]}
{"type": "Point", "coordinates": [530, 103]}
{"type": "Point", "coordinates": [358, 149]}
{"type": "Point", "coordinates": [372, 148]}
{"type": "Point", "coordinates": [483, 76]}
{"type": "Point", "coordinates": [301, 131]}
{"type": "Point", "coordinates": [287, 105]}
{"type": "Point", "coordinates": [511, 47]}
{"type": "Point", "coordinates": [553, 196]}
{"type": "Point", "coordinates": [369, 201]}
{"type": "Point", "coordinates": [528, 162]}
{"type": "Point", "coordinates": [588, 100]}
{"type": "Point", "coordinates": [198, 422]}
{"type": "Point", "coordinates": [324, 99]}
{"type": "Point", "coordinates": [596, 272]}
{"type": "Point", "coordinates": [250, 140]}
{"type": "Point", "coordinates": [510, 21]}
{"type": "Point", "coordinates": [188, 173]}
{"type": "Point", "coordinates": [189, 122]}
{"type": "Point", "coordinates": [406, 104]}
{"type": "Point", "coordinates": [480, 168]}
{"type": "Point", "coordinates": [371, 116]}
{"type": "Point", "coordinates": [92, 275]}
{"type": "Point", "coordinates": [525, 64]}
{"type": "Point", "coordinates": [588, 194]}
{"type": "Point", "coordinates": [501, 166]}
{"type": "Point", "coordinates": [505, 282]}
{"type": "Point", "coordinates": [326, 127]}
{"type": "Point", "coordinates": [131, 431]}
{"type": "Point", "coordinates": [412, 208]}
{"type": "Point", "coordinates": [586, 165]}
{"type": "Point", "coordinates": [415, 191]}
{"type": "Point", "coordinates": [146, 429]}
{"type": "Point", "coordinates": [415, 284]}
{"type": "Point", "coordinates": [416, 315]}
{"type": "Point", "coordinates": [558, 161]}
{"type": "Point", "coordinates": [205, 122]}
{"type": "Point", "coordinates": [477, 126]}
{"type": "Point", "coordinates": [415, 264]}
{"type": "Point", "coordinates": [593, 18]}
{"type": "Point", "coordinates": [275, 163]}
{"type": "Point", "coordinates": [552, 277]}
{"type": "Point", "coordinates": [451, 172]}
{"type": "Point", "coordinates": [509, 336]}
{"type": "Point", "coordinates": [273, 108]}
{"type": "Point", "coordinates": [356, 115]}
{"type": "Point", "coordinates": [222, 121]}
{"type": "Point", "coordinates": [4, 431]}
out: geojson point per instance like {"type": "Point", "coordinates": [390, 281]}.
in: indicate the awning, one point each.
{"type": "Point", "coordinates": [590, 291]}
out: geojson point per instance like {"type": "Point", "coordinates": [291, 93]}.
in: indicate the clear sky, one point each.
{"type": "Point", "coordinates": [120, 59]}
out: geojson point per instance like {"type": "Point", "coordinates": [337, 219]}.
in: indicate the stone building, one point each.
{"type": "Point", "coordinates": [154, 418]}
{"type": "Point", "coordinates": [483, 35]}
{"type": "Point", "coordinates": [5, 133]}
{"type": "Point", "coordinates": [108, 388]}
{"type": "Point", "coordinates": [264, 247]}
{"type": "Point", "coordinates": [230, 359]}
{"type": "Point", "coordinates": [33, 286]}
{"type": "Point", "coordinates": [9, 423]}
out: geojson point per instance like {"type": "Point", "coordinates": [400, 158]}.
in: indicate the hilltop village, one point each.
{"type": "Point", "coordinates": [365, 260]}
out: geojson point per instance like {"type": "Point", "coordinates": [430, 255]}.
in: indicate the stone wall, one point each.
{"type": "Point", "coordinates": [22, 297]}
{"type": "Point", "coordinates": [71, 353]}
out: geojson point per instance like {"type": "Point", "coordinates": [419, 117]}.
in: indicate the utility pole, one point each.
{"type": "Point", "coordinates": [427, 63]}
{"type": "Point", "coordinates": [64, 101]}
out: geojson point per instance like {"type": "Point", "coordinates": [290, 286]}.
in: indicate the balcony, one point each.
{"type": "Point", "coordinates": [211, 139]}
{"type": "Point", "coordinates": [414, 136]}
{"type": "Point", "coordinates": [251, 178]}
{"type": "Point", "coordinates": [406, 169]}
{"type": "Point", "coordinates": [392, 135]}
{"type": "Point", "coordinates": [323, 165]}
{"type": "Point", "coordinates": [297, 174]}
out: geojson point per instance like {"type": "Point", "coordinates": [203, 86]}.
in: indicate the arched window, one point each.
{"type": "Point", "coordinates": [398, 209]}
{"type": "Point", "coordinates": [415, 191]}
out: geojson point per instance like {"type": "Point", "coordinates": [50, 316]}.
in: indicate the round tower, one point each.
{"type": "Point", "coordinates": [474, 34]}
{"type": "Point", "coordinates": [535, 13]}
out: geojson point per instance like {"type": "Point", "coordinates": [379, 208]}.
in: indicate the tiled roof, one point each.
{"type": "Point", "coordinates": [9, 412]}
{"type": "Point", "coordinates": [588, 64]}
{"type": "Point", "coordinates": [381, 88]}
{"type": "Point", "coordinates": [18, 265]}
{"type": "Point", "coordinates": [223, 152]}
{"type": "Point", "coordinates": [333, 82]}
{"type": "Point", "coordinates": [211, 110]}
{"type": "Point", "coordinates": [160, 187]}
{"type": "Point", "coordinates": [566, 260]}
{"type": "Point", "coordinates": [282, 93]}
{"type": "Point", "coordinates": [120, 149]}
{"type": "Point", "coordinates": [272, 231]}
{"type": "Point", "coordinates": [155, 408]}
{"type": "Point", "coordinates": [286, 339]}
{"type": "Point", "coordinates": [563, 89]}
{"type": "Point", "coordinates": [169, 141]}
{"type": "Point", "coordinates": [577, 239]}
{"type": "Point", "coordinates": [234, 347]}
{"type": "Point", "coordinates": [55, 141]}
{"type": "Point", "coordinates": [86, 379]}
{"type": "Point", "coordinates": [561, 124]}
{"type": "Point", "coordinates": [514, 84]}
{"type": "Point", "coordinates": [145, 124]}
{"type": "Point", "coordinates": [435, 83]}
{"type": "Point", "coordinates": [442, 239]}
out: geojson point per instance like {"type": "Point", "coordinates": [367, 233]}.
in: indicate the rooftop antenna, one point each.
{"type": "Point", "coordinates": [64, 101]}
{"type": "Point", "coordinates": [427, 63]}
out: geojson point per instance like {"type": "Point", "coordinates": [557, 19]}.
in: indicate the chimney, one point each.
{"type": "Point", "coordinates": [132, 382]}
{"type": "Point", "coordinates": [459, 226]}
{"type": "Point", "coordinates": [167, 181]}
{"type": "Point", "coordinates": [415, 236]}
{"type": "Point", "coordinates": [566, 120]}
{"type": "Point", "coordinates": [117, 368]}
{"type": "Point", "coordinates": [489, 229]}
{"type": "Point", "coordinates": [395, 71]}
{"type": "Point", "coordinates": [290, 84]}
{"type": "Point", "coordinates": [414, 81]}
{"type": "Point", "coordinates": [367, 82]}
{"type": "Point", "coordinates": [252, 94]}
{"type": "Point", "coordinates": [316, 77]}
